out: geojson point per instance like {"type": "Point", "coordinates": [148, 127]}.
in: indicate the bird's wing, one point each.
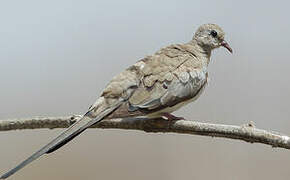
{"type": "Point", "coordinates": [167, 78]}
{"type": "Point", "coordinates": [181, 86]}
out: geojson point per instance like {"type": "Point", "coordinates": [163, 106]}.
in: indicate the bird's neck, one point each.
{"type": "Point", "coordinates": [203, 53]}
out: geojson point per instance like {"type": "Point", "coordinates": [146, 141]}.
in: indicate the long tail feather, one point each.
{"type": "Point", "coordinates": [63, 138]}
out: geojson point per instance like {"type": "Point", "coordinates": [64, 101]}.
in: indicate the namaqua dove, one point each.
{"type": "Point", "coordinates": [154, 87]}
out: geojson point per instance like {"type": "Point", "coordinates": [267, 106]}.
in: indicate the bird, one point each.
{"type": "Point", "coordinates": [154, 86]}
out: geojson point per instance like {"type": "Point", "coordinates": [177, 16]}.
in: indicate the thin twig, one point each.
{"type": "Point", "coordinates": [248, 132]}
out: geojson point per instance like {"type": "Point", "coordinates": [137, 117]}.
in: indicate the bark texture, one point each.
{"type": "Point", "coordinates": [248, 132]}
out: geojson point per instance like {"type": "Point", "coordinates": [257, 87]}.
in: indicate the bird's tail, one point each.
{"type": "Point", "coordinates": [78, 127]}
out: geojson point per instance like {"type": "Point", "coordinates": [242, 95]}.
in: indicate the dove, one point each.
{"type": "Point", "coordinates": [154, 86]}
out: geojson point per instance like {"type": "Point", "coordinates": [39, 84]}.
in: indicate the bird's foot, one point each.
{"type": "Point", "coordinates": [171, 117]}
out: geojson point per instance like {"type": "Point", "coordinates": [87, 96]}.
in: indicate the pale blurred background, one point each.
{"type": "Point", "coordinates": [57, 56]}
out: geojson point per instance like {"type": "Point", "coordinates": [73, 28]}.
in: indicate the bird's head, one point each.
{"type": "Point", "coordinates": [210, 36]}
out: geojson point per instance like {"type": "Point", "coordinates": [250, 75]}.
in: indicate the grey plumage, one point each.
{"type": "Point", "coordinates": [153, 86]}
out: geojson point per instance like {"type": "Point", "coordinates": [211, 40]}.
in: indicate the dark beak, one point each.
{"type": "Point", "coordinates": [226, 45]}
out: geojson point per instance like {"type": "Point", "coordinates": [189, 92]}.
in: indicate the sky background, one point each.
{"type": "Point", "coordinates": [57, 56]}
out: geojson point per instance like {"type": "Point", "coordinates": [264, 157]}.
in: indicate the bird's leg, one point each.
{"type": "Point", "coordinates": [171, 117]}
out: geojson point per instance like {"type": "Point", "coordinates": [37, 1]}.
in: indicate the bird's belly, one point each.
{"type": "Point", "coordinates": [169, 109]}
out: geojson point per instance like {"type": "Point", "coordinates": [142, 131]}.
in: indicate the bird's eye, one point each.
{"type": "Point", "coordinates": [213, 33]}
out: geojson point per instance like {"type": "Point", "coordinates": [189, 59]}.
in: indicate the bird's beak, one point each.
{"type": "Point", "coordinates": [226, 45]}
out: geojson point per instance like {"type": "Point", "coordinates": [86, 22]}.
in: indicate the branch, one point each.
{"type": "Point", "coordinates": [248, 132]}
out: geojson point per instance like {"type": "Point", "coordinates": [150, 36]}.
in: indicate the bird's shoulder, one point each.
{"type": "Point", "coordinates": [167, 63]}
